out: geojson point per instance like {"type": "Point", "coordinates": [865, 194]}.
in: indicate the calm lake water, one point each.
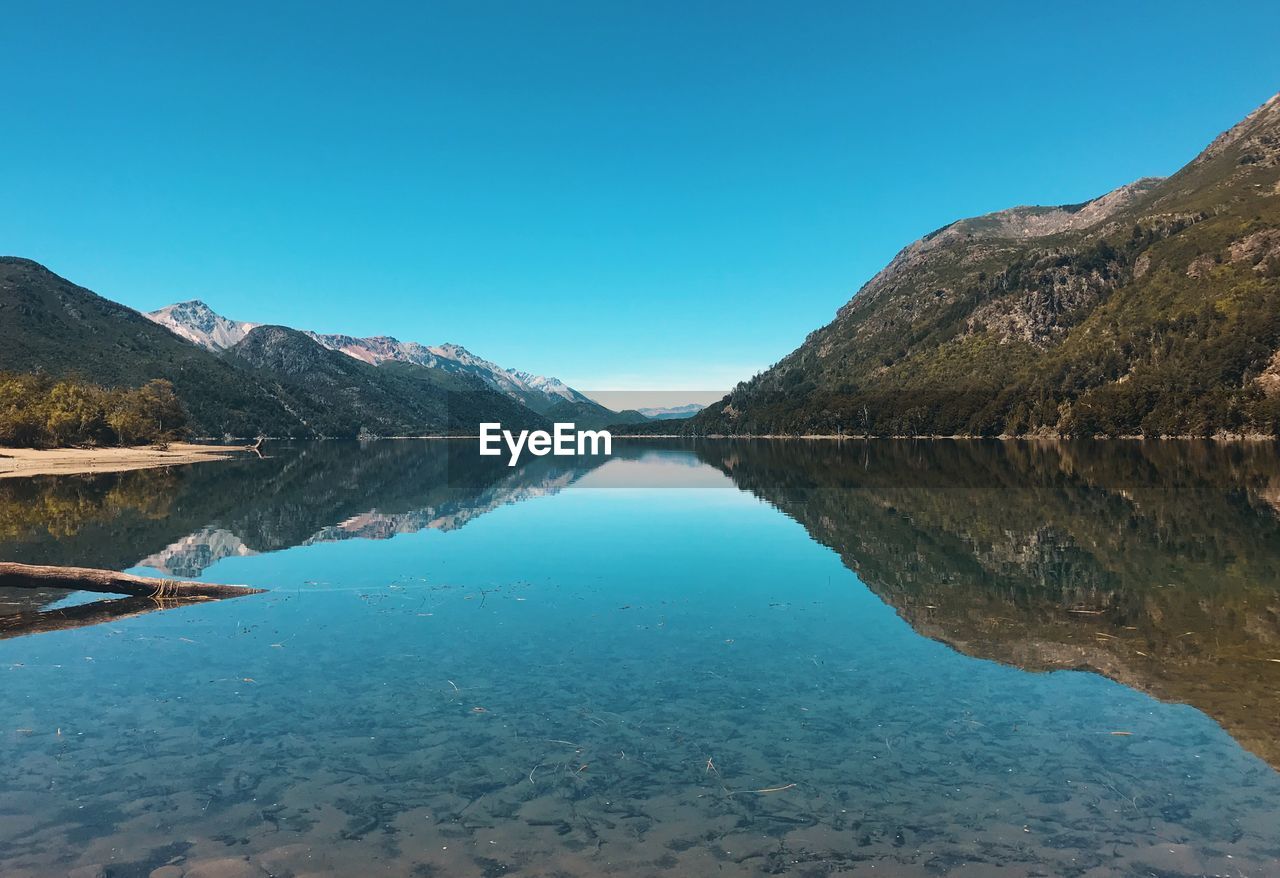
{"type": "Point", "coordinates": [723, 658]}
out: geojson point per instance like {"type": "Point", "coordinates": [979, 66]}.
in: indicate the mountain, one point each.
{"type": "Point", "coordinates": [671, 413]}
{"type": "Point", "coordinates": [1151, 310]}
{"type": "Point", "coordinates": [337, 395]}
{"type": "Point", "coordinates": [48, 323]}
{"type": "Point", "coordinates": [197, 322]}
{"type": "Point", "coordinates": [271, 380]}
{"type": "Point", "coordinates": [535, 391]}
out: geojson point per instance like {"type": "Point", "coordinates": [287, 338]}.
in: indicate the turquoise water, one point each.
{"type": "Point", "coordinates": [676, 662]}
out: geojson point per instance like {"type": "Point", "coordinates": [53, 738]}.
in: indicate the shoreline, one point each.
{"type": "Point", "coordinates": [846, 437]}
{"type": "Point", "coordinates": [16, 463]}
{"type": "Point", "coordinates": [828, 437]}
{"type": "Point", "coordinates": [1229, 437]}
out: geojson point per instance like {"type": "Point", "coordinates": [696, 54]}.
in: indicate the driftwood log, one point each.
{"type": "Point", "coordinates": [111, 582]}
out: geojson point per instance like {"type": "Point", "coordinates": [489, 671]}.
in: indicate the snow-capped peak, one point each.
{"type": "Point", "coordinates": [198, 323]}
{"type": "Point", "coordinates": [552, 386]}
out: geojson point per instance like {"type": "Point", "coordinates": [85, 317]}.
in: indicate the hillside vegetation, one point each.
{"type": "Point", "coordinates": [39, 412]}
{"type": "Point", "coordinates": [1153, 310]}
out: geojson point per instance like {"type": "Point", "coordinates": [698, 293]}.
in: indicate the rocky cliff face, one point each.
{"type": "Point", "coordinates": [1149, 310]}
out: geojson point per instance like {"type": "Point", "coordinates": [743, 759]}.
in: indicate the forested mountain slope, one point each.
{"type": "Point", "coordinates": [1154, 309]}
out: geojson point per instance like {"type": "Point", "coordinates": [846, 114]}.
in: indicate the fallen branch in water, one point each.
{"type": "Point", "coordinates": [111, 582]}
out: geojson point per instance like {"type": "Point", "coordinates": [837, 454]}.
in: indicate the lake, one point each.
{"type": "Point", "coordinates": [719, 658]}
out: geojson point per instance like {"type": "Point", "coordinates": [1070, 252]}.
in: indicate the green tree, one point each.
{"type": "Point", "coordinates": [37, 412]}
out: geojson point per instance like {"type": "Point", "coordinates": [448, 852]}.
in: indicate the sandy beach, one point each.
{"type": "Point", "coordinates": [23, 462]}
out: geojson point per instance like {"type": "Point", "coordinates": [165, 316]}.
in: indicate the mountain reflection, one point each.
{"type": "Point", "coordinates": [1157, 565]}
{"type": "Point", "coordinates": [182, 520]}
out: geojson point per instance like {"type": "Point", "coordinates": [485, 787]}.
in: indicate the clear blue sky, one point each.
{"type": "Point", "coordinates": [656, 194]}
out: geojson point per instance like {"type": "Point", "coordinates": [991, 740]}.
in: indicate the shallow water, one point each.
{"type": "Point", "coordinates": [902, 659]}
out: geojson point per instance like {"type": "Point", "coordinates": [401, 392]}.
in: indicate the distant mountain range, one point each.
{"type": "Point", "coordinates": [672, 413]}
{"type": "Point", "coordinates": [198, 323]}
{"type": "Point", "coordinates": [246, 379]}
{"type": "Point", "coordinates": [1152, 310]}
